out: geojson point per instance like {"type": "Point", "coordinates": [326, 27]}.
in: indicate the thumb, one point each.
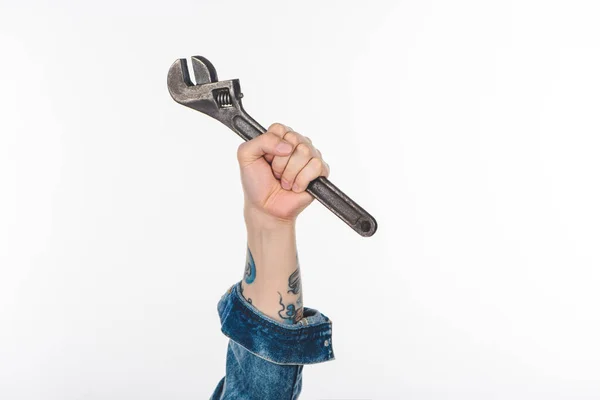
{"type": "Point", "coordinates": [267, 143]}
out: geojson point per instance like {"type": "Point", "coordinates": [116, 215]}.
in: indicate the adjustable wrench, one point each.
{"type": "Point", "coordinates": [222, 101]}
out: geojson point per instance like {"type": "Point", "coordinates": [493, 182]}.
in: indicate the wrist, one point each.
{"type": "Point", "coordinates": [259, 220]}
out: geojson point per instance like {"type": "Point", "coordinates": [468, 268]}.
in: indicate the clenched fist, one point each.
{"type": "Point", "coordinates": [276, 167]}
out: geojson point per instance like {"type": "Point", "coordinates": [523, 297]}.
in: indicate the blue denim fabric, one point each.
{"type": "Point", "coordinates": [265, 357]}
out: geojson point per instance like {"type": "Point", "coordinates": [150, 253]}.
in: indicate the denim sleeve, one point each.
{"type": "Point", "coordinates": [265, 357]}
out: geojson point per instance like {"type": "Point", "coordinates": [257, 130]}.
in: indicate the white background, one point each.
{"type": "Point", "coordinates": [470, 130]}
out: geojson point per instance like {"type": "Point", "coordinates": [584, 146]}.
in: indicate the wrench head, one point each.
{"type": "Point", "coordinates": [208, 95]}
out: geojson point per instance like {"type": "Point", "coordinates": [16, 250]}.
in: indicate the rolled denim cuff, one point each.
{"type": "Point", "coordinates": [305, 342]}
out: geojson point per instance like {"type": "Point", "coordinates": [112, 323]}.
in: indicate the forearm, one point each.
{"type": "Point", "coordinates": [272, 335]}
{"type": "Point", "coordinates": [272, 276]}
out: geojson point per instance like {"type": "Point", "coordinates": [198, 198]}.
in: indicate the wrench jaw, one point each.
{"type": "Point", "coordinates": [218, 99]}
{"type": "Point", "coordinates": [204, 71]}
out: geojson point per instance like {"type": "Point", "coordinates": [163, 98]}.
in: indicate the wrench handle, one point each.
{"type": "Point", "coordinates": [321, 188]}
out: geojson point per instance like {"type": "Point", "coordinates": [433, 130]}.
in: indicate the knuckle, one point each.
{"type": "Point", "coordinates": [292, 137]}
{"type": "Point", "coordinates": [303, 149]}
{"type": "Point", "coordinates": [277, 127]}
{"type": "Point", "coordinates": [319, 163]}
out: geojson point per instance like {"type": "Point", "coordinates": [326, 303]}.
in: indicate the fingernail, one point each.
{"type": "Point", "coordinates": [283, 147]}
{"type": "Point", "coordinates": [277, 175]}
{"type": "Point", "coordinates": [295, 187]}
{"type": "Point", "coordinates": [285, 184]}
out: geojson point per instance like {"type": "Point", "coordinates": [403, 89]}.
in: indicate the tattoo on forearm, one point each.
{"type": "Point", "coordinates": [290, 313]}
{"type": "Point", "coordinates": [294, 282]}
{"type": "Point", "coordinates": [249, 300]}
{"type": "Point", "coordinates": [250, 271]}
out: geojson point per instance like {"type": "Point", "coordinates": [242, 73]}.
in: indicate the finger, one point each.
{"type": "Point", "coordinates": [279, 129]}
{"type": "Point", "coordinates": [316, 167]}
{"type": "Point", "coordinates": [279, 163]}
{"type": "Point", "coordinates": [300, 157]}
{"type": "Point", "coordinates": [267, 143]}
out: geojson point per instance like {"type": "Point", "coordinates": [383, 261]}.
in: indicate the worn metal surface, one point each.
{"type": "Point", "coordinates": [222, 101]}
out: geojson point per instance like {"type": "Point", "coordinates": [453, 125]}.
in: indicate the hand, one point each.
{"type": "Point", "coordinates": [276, 167]}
